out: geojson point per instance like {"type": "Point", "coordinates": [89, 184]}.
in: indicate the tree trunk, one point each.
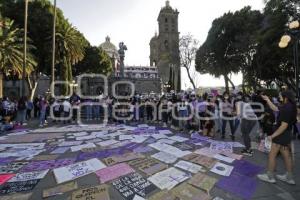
{"type": "Point", "coordinates": [231, 83]}
{"type": "Point", "coordinates": [32, 86]}
{"type": "Point", "coordinates": [226, 83]}
{"type": "Point", "coordinates": [243, 84]}
{"type": "Point", "coordinates": [190, 77]}
{"type": "Point", "coordinates": [1, 85]}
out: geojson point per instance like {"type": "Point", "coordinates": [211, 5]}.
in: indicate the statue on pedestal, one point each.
{"type": "Point", "coordinates": [122, 49]}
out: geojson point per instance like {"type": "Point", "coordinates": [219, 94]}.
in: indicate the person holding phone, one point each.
{"type": "Point", "coordinates": [281, 138]}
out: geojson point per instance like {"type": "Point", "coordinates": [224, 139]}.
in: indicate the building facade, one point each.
{"type": "Point", "coordinates": [164, 48]}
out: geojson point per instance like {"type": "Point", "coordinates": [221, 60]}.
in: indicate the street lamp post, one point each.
{"type": "Point", "coordinates": [53, 45]}
{"type": "Point", "coordinates": [25, 49]}
{"type": "Point", "coordinates": [293, 34]}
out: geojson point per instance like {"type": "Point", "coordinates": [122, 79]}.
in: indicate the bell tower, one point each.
{"type": "Point", "coordinates": [164, 48]}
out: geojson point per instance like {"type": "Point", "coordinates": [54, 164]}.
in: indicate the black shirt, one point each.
{"type": "Point", "coordinates": [287, 114]}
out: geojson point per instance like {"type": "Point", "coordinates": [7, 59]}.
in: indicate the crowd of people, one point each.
{"type": "Point", "coordinates": [275, 118]}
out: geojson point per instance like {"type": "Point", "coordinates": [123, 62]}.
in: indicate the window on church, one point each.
{"type": "Point", "coordinates": [166, 20]}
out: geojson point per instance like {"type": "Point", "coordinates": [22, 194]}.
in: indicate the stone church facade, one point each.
{"type": "Point", "coordinates": [164, 48]}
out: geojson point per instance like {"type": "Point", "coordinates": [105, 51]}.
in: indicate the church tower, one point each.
{"type": "Point", "coordinates": [164, 47]}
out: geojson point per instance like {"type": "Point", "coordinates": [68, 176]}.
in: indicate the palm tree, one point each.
{"type": "Point", "coordinates": [70, 49]}
{"type": "Point", "coordinates": [11, 50]}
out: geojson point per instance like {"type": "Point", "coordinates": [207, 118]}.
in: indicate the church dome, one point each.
{"type": "Point", "coordinates": [109, 48]}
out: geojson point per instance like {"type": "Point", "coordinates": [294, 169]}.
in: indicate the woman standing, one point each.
{"type": "Point", "coordinates": [281, 138]}
{"type": "Point", "coordinates": [227, 115]}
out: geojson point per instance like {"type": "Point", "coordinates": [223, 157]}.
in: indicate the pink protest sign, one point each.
{"type": "Point", "coordinates": [113, 172]}
{"type": "Point", "coordinates": [5, 177]}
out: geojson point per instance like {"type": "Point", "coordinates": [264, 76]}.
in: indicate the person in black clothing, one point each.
{"type": "Point", "coordinates": [281, 138]}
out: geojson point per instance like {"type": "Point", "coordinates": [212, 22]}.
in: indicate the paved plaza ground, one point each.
{"type": "Point", "coordinates": [263, 191]}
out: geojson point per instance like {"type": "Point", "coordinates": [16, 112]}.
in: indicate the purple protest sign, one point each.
{"type": "Point", "coordinates": [239, 185]}
{"type": "Point", "coordinates": [246, 168]}
{"type": "Point", "coordinates": [4, 161]}
{"type": "Point", "coordinates": [101, 154]}
{"type": "Point", "coordinates": [47, 164]}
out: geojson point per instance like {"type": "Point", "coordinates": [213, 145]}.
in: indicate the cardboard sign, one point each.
{"type": "Point", "coordinates": [27, 176]}
{"type": "Point", "coordinates": [45, 157]}
{"type": "Point", "coordinates": [12, 167]}
{"type": "Point", "coordinates": [98, 192]}
{"type": "Point", "coordinates": [203, 182]}
{"type": "Point", "coordinates": [113, 172]}
{"type": "Point", "coordinates": [77, 170]}
{"type": "Point", "coordinates": [122, 158]}
{"type": "Point", "coordinates": [13, 187]}
{"type": "Point", "coordinates": [163, 195]}
{"type": "Point", "coordinates": [204, 161]}
{"type": "Point", "coordinates": [17, 197]}
{"type": "Point", "coordinates": [60, 189]}
{"type": "Point", "coordinates": [133, 184]}
{"type": "Point", "coordinates": [188, 192]}
{"type": "Point", "coordinates": [149, 166]}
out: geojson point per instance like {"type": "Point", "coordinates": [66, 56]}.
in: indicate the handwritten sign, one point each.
{"type": "Point", "coordinates": [133, 184]}
{"type": "Point", "coordinates": [98, 192]}
{"type": "Point", "coordinates": [60, 189]}
{"type": "Point", "coordinates": [11, 168]}
{"type": "Point", "coordinates": [221, 146]}
{"type": "Point", "coordinates": [122, 158]}
{"type": "Point", "coordinates": [168, 178]}
{"type": "Point", "coordinates": [204, 161]}
{"type": "Point", "coordinates": [13, 187]}
{"type": "Point", "coordinates": [77, 170]}
{"type": "Point", "coordinates": [188, 166]}
{"type": "Point", "coordinates": [113, 172]}
{"type": "Point", "coordinates": [149, 166]}
{"type": "Point", "coordinates": [27, 176]}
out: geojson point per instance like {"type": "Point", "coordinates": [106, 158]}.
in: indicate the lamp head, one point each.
{"type": "Point", "coordinates": [282, 44]}
{"type": "Point", "coordinates": [294, 24]}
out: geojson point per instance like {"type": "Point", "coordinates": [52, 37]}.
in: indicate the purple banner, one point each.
{"type": "Point", "coordinates": [47, 164]}
{"type": "Point", "coordinates": [246, 168]}
{"type": "Point", "coordinates": [239, 185]}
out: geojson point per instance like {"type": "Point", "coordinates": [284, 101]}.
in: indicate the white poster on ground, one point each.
{"type": "Point", "coordinates": [76, 170]}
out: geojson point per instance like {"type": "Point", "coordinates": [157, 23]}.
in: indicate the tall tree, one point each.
{"type": "Point", "coordinates": [95, 61]}
{"type": "Point", "coordinates": [217, 55]}
{"type": "Point", "coordinates": [11, 50]}
{"type": "Point", "coordinates": [188, 47]}
{"type": "Point", "coordinates": [70, 45]}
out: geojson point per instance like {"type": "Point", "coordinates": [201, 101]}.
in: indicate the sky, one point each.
{"type": "Point", "coordinates": [135, 22]}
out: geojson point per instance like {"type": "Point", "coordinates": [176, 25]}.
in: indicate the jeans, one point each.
{"type": "Point", "coordinates": [89, 112]}
{"type": "Point", "coordinates": [224, 123]}
{"type": "Point", "coordinates": [42, 117]}
{"type": "Point", "coordinates": [22, 116]}
{"type": "Point", "coordinates": [246, 128]}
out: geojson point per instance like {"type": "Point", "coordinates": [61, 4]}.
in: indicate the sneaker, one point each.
{"type": "Point", "coordinates": [266, 178]}
{"type": "Point", "coordinates": [247, 152]}
{"type": "Point", "coordinates": [286, 179]}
